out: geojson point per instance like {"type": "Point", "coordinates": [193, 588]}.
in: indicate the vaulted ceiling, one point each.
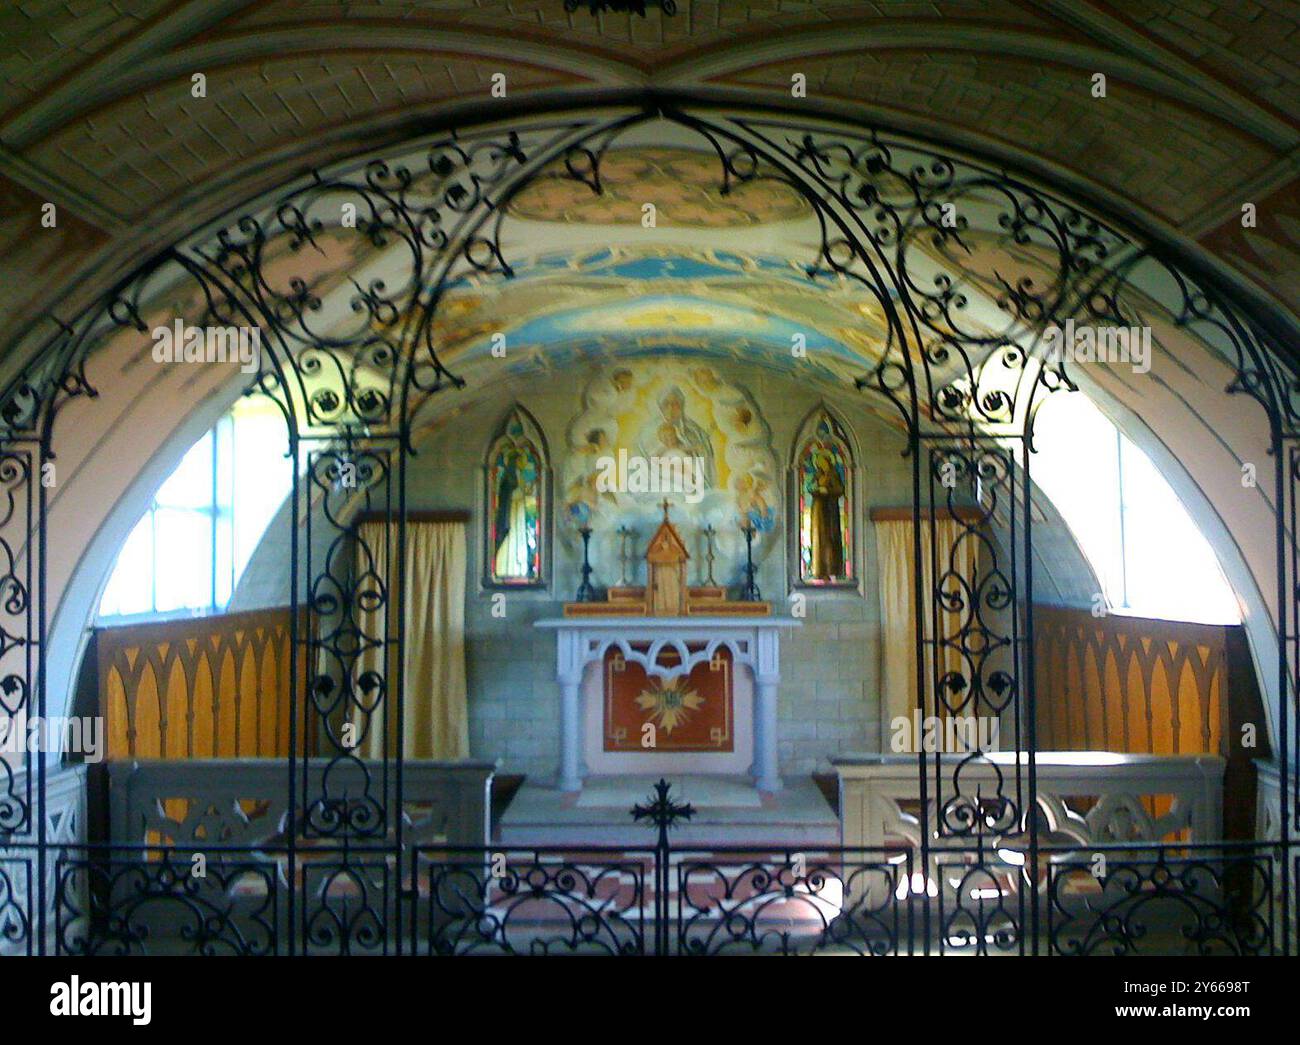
{"type": "Point", "coordinates": [1201, 113]}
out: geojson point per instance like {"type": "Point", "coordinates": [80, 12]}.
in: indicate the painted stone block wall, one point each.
{"type": "Point", "coordinates": [829, 701]}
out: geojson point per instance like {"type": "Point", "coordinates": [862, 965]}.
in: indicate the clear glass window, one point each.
{"type": "Point", "coordinates": [191, 546]}
{"type": "Point", "coordinates": [1149, 555]}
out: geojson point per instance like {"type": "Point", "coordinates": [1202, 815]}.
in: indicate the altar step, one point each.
{"type": "Point", "coordinates": [728, 812]}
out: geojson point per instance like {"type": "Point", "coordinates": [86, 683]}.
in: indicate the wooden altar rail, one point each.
{"type": "Point", "coordinates": [1087, 798]}
{"type": "Point", "coordinates": [197, 688]}
{"type": "Point", "coordinates": [246, 801]}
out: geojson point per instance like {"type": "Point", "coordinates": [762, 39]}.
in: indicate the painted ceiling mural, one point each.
{"type": "Point", "coordinates": [675, 429]}
{"type": "Point", "coordinates": [612, 300]}
{"type": "Point", "coordinates": [685, 186]}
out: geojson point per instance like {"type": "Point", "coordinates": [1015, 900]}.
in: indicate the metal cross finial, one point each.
{"type": "Point", "coordinates": [662, 811]}
{"type": "Point", "coordinates": [665, 506]}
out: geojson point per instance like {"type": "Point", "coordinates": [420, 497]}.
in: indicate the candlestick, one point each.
{"type": "Point", "coordinates": [750, 592]}
{"type": "Point", "coordinates": [624, 557]}
{"type": "Point", "coordinates": [586, 593]}
{"type": "Point", "coordinates": [709, 533]}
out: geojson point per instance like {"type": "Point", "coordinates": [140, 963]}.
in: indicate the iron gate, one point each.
{"type": "Point", "coordinates": [965, 393]}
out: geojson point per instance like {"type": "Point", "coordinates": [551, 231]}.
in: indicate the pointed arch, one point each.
{"type": "Point", "coordinates": [516, 522]}
{"type": "Point", "coordinates": [825, 504]}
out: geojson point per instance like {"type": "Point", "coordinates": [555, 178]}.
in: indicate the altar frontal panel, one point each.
{"type": "Point", "coordinates": [692, 712]}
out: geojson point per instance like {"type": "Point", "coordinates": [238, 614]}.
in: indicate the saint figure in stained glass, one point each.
{"type": "Point", "coordinates": [825, 507]}
{"type": "Point", "coordinates": [514, 510]}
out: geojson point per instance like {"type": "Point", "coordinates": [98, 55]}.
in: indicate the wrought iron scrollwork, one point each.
{"type": "Point", "coordinates": [511, 902]}
{"type": "Point", "coordinates": [1141, 903]}
{"type": "Point", "coordinates": [972, 653]}
{"type": "Point", "coordinates": [842, 903]}
{"type": "Point", "coordinates": [350, 639]}
{"type": "Point", "coordinates": [16, 914]}
{"type": "Point", "coordinates": [968, 265]}
{"type": "Point", "coordinates": [348, 908]}
{"type": "Point", "coordinates": [123, 905]}
{"type": "Point", "coordinates": [17, 641]}
{"type": "Point", "coordinates": [980, 911]}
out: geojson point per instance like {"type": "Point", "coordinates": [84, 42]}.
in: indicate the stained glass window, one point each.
{"type": "Point", "coordinates": [516, 473]}
{"type": "Point", "coordinates": [824, 468]}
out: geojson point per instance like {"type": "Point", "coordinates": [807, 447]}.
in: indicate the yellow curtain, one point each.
{"type": "Point", "coordinates": [896, 564]}
{"type": "Point", "coordinates": [436, 720]}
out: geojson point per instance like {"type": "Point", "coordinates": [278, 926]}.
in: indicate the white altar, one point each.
{"type": "Point", "coordinates": [582, 642]}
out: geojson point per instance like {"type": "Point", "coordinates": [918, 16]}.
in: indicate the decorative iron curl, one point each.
{"type": "Point", "coordinates": [950, 363]}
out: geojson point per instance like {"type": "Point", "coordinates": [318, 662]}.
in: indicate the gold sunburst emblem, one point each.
{"type": "Point", "coordinates": [669, 704]}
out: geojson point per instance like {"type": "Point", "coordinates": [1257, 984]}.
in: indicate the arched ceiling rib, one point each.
{"type": "Point", "coordinates": [585, 270]}
{"type": "Point", "coordinates": [1202, 112]}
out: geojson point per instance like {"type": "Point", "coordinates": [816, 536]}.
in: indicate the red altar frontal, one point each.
{"type": "Point", "coordinates": [668, 678]}
{"type": "Point", "coordinates": [713, 680]}
{"type": "Point", "coordinates": [660, 712]}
